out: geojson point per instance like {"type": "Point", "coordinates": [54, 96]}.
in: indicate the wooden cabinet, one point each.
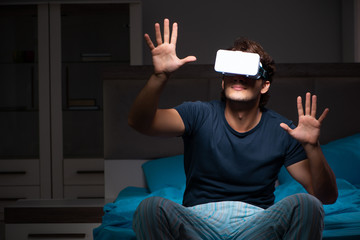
{"type": "Point", "coordinates": [51, 62]}
{"type": "Point", "coordinates": [53, 219]}
{"type": "Point", "coordinates": [68, 231]}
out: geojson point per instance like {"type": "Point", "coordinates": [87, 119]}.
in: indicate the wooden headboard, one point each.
{"type": "Point", "coordinates": [336, 85]}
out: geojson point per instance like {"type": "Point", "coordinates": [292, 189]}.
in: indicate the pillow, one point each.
{"type": "Point", "coordinates": [165, 172]}
{"type": "Point", "coordinates": [343, 156]}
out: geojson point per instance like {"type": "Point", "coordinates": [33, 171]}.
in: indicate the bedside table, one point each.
{"type": "Point", "coordinates": [53, 219]}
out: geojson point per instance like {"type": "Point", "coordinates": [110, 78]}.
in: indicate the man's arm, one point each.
{"type": "Point", "coordinates": [314, 173]}
{"type": "Point", "coordinates": [144, 115]}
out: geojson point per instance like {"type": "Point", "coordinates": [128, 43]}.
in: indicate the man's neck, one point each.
{"type": "Point", "coordinates": [242, 117]}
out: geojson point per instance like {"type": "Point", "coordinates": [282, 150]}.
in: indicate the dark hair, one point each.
{"type": "Point", "coordinates": [246, 45]}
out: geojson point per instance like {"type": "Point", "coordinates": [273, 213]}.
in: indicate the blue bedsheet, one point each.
{"type": "Point", "coordinates": [342, 219]}
{"type": "Point", "coordinates": [117, 219]}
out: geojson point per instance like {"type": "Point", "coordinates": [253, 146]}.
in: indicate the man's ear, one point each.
{"type": "Point", "coordinates": [222, 84]}
{"type": "Point", "coordinates": [265, 87]}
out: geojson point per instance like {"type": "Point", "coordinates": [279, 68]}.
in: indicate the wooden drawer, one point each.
{"type": "Point", "coordinates": [83, 192]}
{"type": "Point", "coordinates": [50, 231]}
{"type": "Point", "coordinates": [9, 195]}
{"type": "Point", "coordinates": [19, 192]}
{"type": "Point", "coordinates": [19, 172]}
{"type": "Point", "coordinates": [84, 171]}
{"type": "Point", "coordinates": [53, 219]}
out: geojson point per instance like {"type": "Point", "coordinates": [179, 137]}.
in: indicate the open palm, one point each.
{"type": "Point", "coordinates": [164, 55]}
{"type": "Point", "coordinates": [308, 129]}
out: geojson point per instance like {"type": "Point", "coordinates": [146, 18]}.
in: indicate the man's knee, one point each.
{"type": "Point", "coordinates": [146, 215]}
{"type": "Point", "coordinates": [305, 216]}
{"type": "Point", "coordinates": [148, 208]}
{"type": "Point", "coordinates": [154, 219]}
{"type": "Point", "coordinates": [309, 202]}
{"type": "Point", "coordinates": [309, 208]}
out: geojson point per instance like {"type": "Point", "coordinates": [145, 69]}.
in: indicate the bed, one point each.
{"type": "Point", "coordinates": [165, 177]}
{"type": "Point", "coordinates": [138, 166]}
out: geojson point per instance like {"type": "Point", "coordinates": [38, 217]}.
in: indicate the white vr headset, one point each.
{"type": "Point", "coordinates": [230, 62]}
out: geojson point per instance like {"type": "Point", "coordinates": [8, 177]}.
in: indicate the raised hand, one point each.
{"type": "Point", "coordinates": [308, 129]}
{"type": "Point", "coordinates": [164, 55]}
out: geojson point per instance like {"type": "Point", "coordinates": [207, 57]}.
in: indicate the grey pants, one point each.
{"type": "Point", "coordinates": [299, 216]}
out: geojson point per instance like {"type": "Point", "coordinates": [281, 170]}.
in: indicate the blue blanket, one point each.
{"type": "Point", "coordinates": [342, 219]}
{"type": "Point", "coordinates": [117, 219]}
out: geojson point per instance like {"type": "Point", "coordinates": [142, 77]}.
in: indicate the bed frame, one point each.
{"type": "Point", "coordinates": [125, 150]}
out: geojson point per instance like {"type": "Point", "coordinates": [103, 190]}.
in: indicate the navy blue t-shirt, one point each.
{"type": "Point", "coordinates": [222, 164]}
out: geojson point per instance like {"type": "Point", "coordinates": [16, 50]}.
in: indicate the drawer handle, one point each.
{"type": "Point", "coordinates": [85, 197]}
{"type": "Point", "coordinates": [12, 199]}
{"type": "Point", "coordinates": [12, 172]}
{"type": "Point", "coordinates": [90, 172]}
{"type": "Point", "coordinates": [56, 235]}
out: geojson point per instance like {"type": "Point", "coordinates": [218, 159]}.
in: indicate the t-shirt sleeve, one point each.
{"type": "Point", "coordinates": [192, 114]}
{"type": "Point", "coordinates": [295, 151]}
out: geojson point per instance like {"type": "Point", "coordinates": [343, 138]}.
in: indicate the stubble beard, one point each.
{"type": "Point", "coordinates": [241, 100]}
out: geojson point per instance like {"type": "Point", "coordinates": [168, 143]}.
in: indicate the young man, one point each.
{"type": "Point", "coordinates": [233, 151]}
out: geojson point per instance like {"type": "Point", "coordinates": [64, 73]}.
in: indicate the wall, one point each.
{"type": "Point", "coordinates": [294, 31]}
{"type": "Point", "coordinates": [291, 31]}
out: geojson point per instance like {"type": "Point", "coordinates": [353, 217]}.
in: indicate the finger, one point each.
{"type": "Point", "coordinates": [188, 59]}
{"type": "Point", "coordinates": [166, 30]}
{"type": "Point", "coordinates": [148, 41]}
{"type": "Point", "coordinates": [313, 106]}
{"type": "Point", "coordinates": [323, 115]}
{"type": "Point", "coordinates": [285, 127]}
{"type": "Point", "coordinates": [300, 106]}
{"type": "Point", "coordinates": [307, 103]}
{"type": "Point", "coordinates": [174, 33]}
{"type": "Point", "coordinates": [158, 34]}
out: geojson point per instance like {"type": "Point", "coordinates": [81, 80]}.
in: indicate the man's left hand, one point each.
{"type": "Point", "coordinates": [308, 129]}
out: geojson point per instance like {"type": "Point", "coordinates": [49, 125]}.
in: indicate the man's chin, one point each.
{"type": "Point", "coordinates": [241, 101]}
{"type": "Point", "coordinates": [237, 98]}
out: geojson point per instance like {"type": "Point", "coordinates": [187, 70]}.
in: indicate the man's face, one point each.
{"type": "Point", "coordinates": [239, 88]}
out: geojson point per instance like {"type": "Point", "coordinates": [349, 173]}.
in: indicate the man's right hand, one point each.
{"type": "Point", "coordinates": [164, 56]}
{"type": "Point", "coordinates": [144, 115]}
